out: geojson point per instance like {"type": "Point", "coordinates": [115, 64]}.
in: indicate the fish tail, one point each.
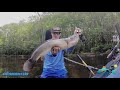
{"type": "Point", "coordinates": [28, 65]}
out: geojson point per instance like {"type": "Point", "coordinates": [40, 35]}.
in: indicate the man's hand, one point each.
{"type": "Point", "coordinates": [78, 31]}
{"type": "Point", "coordinates": [55, 50]}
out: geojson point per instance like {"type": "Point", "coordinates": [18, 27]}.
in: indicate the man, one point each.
{"type": "Point", "coordinates": [54, 66]}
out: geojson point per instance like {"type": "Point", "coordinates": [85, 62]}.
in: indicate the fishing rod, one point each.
{"type": "Point", "coordinates": [116, 46]}
{"type": "Point", "coordinates": [88, 66]}
{"type": "Point", "coordinates": [83, 39]}
{"type": "Point", "coordinates": [85, 64]}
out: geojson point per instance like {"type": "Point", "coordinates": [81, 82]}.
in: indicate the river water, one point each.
{"type": "Point", "coordinates": [15, 64]}
{"type": "Point", "coordinates": [78, 71]}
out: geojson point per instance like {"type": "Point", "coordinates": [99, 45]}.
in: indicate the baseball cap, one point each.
{"type": "Point", "coordinates": [56, 29]}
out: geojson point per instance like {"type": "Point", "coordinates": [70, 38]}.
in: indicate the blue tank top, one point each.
{"type": "Point", "coordinates": [54, 62]}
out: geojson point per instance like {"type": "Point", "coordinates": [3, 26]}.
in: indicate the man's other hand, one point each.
{"type": "Point", "coordinates": [55, 50]}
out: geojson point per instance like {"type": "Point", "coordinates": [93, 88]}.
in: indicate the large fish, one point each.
{"type": "Point", "coordinates": [43, 49]}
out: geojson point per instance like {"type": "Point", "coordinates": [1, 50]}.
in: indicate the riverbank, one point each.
{"type": "Point", "coordinates": [88, 54]}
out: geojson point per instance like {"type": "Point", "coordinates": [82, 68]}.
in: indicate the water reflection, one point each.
{"type": "Point", "coordinates": [77, 71]}
{"type": "Point", "coordinates": [15, 64]}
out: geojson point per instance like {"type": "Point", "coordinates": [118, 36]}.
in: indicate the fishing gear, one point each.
{"type": "Point", "coordinates": [114, 58]}
{"type": "Point", "coordinates": [88, 66]}
{"type": "Point", "coordinates": [85, 64]}
{"type": "Point", "coordinates": [116, 46]}
{"type": "Point", "coordinates": [111, 70]}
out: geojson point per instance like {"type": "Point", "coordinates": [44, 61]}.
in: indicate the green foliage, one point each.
{"type": "Point", "coordinates": [25, 36]}
{"type": "Point", "coordinates": [101, 48]}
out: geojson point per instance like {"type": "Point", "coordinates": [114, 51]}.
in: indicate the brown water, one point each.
{"type": "Point", "coordinates": [78, 71]}
{"type": "Point", "coordinates": [15, 64]}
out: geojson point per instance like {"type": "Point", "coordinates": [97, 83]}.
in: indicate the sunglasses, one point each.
{"type": "Point", "coordinates": [57, 33]}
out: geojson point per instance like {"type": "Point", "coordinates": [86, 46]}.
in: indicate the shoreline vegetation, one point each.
{"type": "Point", "coordinates": [88, 54]}
{"type": "Point", "coordinates": [24, 37]}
